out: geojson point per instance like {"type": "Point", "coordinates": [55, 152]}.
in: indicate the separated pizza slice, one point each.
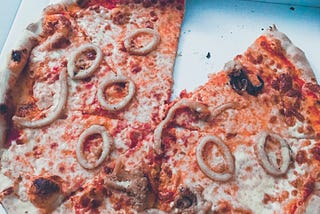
{"type": "Point", "coordinates": [233, 145]}
{"type": "Point", "coordinates": [138, 43]}
{"type": "Point", "coordinates": [72, 112]}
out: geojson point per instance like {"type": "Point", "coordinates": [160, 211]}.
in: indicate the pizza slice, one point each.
{"type": "Point", "coordinates": [246, 141]}
{"type": "Point", "coordinates": [84, 94]}
{"type": "Point", "coordinates": [138, 42]}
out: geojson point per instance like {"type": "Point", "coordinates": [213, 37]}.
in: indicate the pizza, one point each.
{"type": "Point", "coordinates": [88, 126]}
{"type": "Point", "coordinates": [247, 140]}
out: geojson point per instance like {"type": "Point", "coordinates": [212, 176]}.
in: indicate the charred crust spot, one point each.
{"type": "Point", "coordinates": [3, 109]}
{"type": "Point", "coordinates": [44, 187]}
{"type": "Point", "coordinates": [16, 56]}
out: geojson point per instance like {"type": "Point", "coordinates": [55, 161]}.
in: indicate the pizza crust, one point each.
{"type": "Point", "coordinates": [15, 64]}
{"type": "Point", "coordinates": [25, 44]}
{"type": "Point", "coordinates": [294, 54]}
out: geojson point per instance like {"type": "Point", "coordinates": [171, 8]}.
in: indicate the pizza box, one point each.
{"type": "Point", "coordinates": [213, 32]}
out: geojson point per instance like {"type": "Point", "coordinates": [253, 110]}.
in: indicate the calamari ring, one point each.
{"type": "Point", "coordinates": [54, 114]}
{"type": "Point", "coordinates": [226, 153]}
{"type": "Point", "coordinates": [107, 141]}
{"type": "Point", "coordinates": [271, 165]}
{"type": "Point", "coordinates": [84, 73]}
{"type": "Point", "coordinates": [112, 80]}
{"type": "Point", "coordinates": [142, 50]}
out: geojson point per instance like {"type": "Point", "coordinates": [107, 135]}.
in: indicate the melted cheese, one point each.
{"type": "Point", "coordinates": [255, 183]}
{"type": "Point", "coordinates": [45, 94]}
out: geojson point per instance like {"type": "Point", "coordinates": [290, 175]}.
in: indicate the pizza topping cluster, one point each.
{"type": "Point", "coordinates": [291, 98]}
